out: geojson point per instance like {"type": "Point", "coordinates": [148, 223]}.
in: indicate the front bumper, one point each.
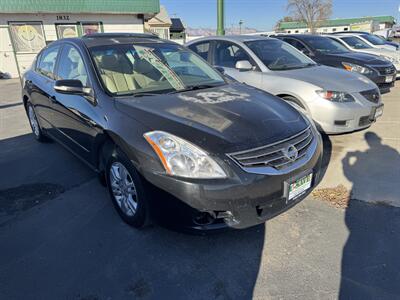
{"type": "Point", "coordinates": [335, 118]}
{"type": "Point", "coordinates": [242, 200]}
{"type": "Point", "coordinates": [382, 83]}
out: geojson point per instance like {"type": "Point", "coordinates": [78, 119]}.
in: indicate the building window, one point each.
{"type": "Point", "coordinates": [161, 32]}
{"type": "Point", "coordinates": [27, 37]}
{"type": "Point", "coordinates": [346, 29]}
{"type": "Point", "coordinates": [67, 30]}
{"type": "Point", "coordinates": [90, 28]}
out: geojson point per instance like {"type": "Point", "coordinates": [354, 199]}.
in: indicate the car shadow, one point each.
{"type": "Point", "coordinates": [370, 260]}
{"type": "Point", "coordinates": [327, 154]}
{"type": "Point", "coordinates": [62, 239]}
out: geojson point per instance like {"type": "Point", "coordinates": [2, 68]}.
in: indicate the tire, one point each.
{"type": "Point", "coordinates": [127, 190]}
{"type": "Point", "coordinates": [35, 125]}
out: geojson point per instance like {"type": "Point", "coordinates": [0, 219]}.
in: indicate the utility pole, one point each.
{"type": "Point", "coordinates": [240, 26]}
{"type": "Point", "coordinates": [220, 17]}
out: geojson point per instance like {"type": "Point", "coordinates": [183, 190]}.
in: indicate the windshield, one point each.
{"type": "Point", "coordinates": [355, 42]}
{"type": "Point", "coordinates": [326, 45]}
{"type": "Point", "coordinates": [373, 39]}
{"type": "Point", "coordinates": [277, 55]}
{"type": "Point", "coordinates": [151, 68]}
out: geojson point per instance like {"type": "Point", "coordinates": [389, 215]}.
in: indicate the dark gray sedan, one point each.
{"type": "Point", "coordinates": [161, 126]}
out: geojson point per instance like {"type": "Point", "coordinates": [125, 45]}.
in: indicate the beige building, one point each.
{"type": "Point", "coordinates": [26, 26]}
{"type": "Point", "coordinates": [160, 24]}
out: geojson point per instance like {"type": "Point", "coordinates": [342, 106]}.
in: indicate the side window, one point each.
{"type": "Point", "coordinates": [47, 62]}
{"type": "Point", "coordinates": [227, 54]}
{"type": "Point", "coordinates": [201, 49]}
{"type": "Point", "coordinates": [71, 65]}
{"type": "Point", "coordinates": [298, 45]}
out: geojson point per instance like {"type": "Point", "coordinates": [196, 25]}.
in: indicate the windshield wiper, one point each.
{"type": "Point", "coordinates": [194, 88]}
{"type": "Point", "coordinates": [144, 94]}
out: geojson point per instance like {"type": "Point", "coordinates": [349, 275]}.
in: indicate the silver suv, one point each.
{"type": "Point", "coordinates": [338, 101]}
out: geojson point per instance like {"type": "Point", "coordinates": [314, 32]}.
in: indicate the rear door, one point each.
{"type": "Point", "coordinates": [41, 84]}
{"type": "Point", "coordinates": [226, 54]}
{"type": "Point", "coordinates": [75, 115]}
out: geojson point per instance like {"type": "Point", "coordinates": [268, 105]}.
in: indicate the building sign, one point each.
{"type": "Point", "coordinates": [27, 36]}
{"type": "Point", "coordinates": [67, 31]}
{"type": "Point", "coordinates": [62, 18]}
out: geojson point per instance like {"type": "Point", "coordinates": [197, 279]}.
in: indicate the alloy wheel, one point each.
{"type": "Point", "coordinates": [123, 188]}
{"type": "Point", "coordinates": [33, 121]}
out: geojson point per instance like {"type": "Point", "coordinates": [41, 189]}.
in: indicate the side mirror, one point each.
{"type": "Point", "coordinates": [306, 52]}
{"type": "Point", "coordinates": [71, 86]}
{"type": "Point", "coordinates": [243, 65]}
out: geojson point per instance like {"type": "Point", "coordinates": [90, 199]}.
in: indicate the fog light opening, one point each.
{"type": "Point", "coordinates": [341, 123]}
{"type": "Point", "coordinates": [203, 219]}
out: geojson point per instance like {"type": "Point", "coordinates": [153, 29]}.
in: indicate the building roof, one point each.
{"type": "Point", "coordinates": [80, 6]}
{"type": "Point", "coordinates": [160, 19]}
{"type": "Point", "coordinates": [177, 25]}
{"type": "Point", "coordinates": [338, 22]}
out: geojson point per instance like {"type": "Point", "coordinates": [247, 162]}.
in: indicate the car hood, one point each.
{"type": "Point", "coordinates": [381, 51]}
{"type": "Point", "coordinates": [359, 57]}
{"type": "Point", "coordinates": [329, 78]}
{"type": "Point", "coordinates": [223, 119]}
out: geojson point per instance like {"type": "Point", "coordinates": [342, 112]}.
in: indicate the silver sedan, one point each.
{"type": "Point", "coordinates": [337, 101]}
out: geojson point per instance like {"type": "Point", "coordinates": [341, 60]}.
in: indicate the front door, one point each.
{"type": "Point", "coordinates": [227, 54]}
{"type": "Point", "coordinates": [75, 115]}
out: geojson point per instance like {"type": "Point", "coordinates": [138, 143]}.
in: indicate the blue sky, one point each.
{"type": "Point", "coordinates": [263, 14]}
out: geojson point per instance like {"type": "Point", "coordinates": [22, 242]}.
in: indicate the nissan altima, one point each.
{"type": "Point", "coordinates": [148, 114]}
{"type": "Point", "coordinates": [337, 100]}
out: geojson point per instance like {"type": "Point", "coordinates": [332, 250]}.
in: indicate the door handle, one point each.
{"type": "Point", "coordinates": [53, 99]}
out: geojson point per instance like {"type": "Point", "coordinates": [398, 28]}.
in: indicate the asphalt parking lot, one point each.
{"type": "Point", "coordinates": [62, 239]}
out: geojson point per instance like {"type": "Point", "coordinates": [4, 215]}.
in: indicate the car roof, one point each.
{"type": "Point", "coordinates": [232, 38]}
{"type": "Point", "coordinates": [105, 39]}
{"type": "Point", "coordinates": [351, 32]}
{"type": "Point", "coordinates": [343, 35]}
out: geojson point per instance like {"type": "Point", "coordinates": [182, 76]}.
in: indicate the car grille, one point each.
{"type": "Point", "coordinates": [386, 70]}
{"type": "Point", "coordinates": [279, 155]}
{"type": "Point", "coordinates": [372, 95]}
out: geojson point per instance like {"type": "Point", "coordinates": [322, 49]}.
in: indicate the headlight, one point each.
{"type": "Point", "coordinates": [181, 158]}
{"type": "Point", "coordinates": [356, 68]}
{"type": "Point", "coordinates": [336, 96]}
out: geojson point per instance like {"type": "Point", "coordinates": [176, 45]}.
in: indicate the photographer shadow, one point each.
{"type": "Point", "coordinates": [370, 261]}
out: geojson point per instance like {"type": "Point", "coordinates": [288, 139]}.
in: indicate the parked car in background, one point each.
{"type": "Point", "coordinates": [355, 43]}
{"type": "Point", "coordinates": [387, 33]}
{"type": "Point", "coordinates": [154, 117]}
{"type": "Point", "coordinates": [372, 40]}
{"type": "Point", "coordinates": [337, 100]}
{"type": "Point", "coordinates": [332, 53]}
{"type": "Point", "coordinates": [389, 42]}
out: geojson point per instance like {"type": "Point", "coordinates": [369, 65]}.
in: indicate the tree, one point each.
{"type": "Point", "coordinates": [312, 12]}
{"type": "Point", "coordinates": [284, 19]}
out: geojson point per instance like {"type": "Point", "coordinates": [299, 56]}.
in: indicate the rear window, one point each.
{"type": "Point", "coordinates": [373, 39]}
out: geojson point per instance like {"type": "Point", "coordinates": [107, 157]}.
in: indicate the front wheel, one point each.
{"type": "Point", "coordinates": [127, 191]}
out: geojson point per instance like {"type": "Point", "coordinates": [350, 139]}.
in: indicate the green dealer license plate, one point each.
{"type": "Point", "coordinates": [299, 187]}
